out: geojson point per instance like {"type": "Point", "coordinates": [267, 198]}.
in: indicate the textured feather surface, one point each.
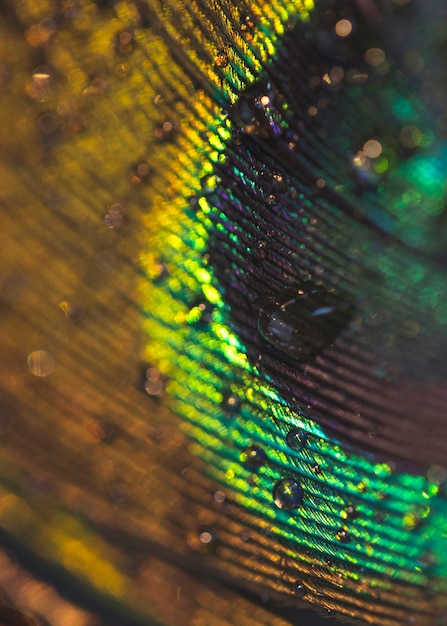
{"type": "Point", "coordinates": [142, 207]}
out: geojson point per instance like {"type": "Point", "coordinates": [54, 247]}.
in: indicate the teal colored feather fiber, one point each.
{"type": "Point", "coordinates": [357, 528]}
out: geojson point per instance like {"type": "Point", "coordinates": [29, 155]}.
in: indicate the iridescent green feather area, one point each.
{"type": "Point", "coordinates": [332, 525]}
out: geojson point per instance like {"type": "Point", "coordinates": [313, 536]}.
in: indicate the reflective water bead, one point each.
{"type": "Point", "coordinates": [299, 590]}
{"type": "Point", "coordinates": [253, 457]}
{"type": "Point", "coordinates": [287, 494]}
{"type": "Point", "coordinates": [259, 250]}
{"type": "Point", "coordinates": [343, 535]}
{"type": "Point", "coordinates": [221, 59]}
{"type": "Point", "coordinates": [296, 438]}
{"type": "Point", "coordinates": [200, 313]}
{"type": "Point", "coordinates": [304, 321]}
{"type": "Point", "coordinates": [256, 111]}
{"type": "Point", "coordinates": [231, 403]}
{"type": "Point", "coordinates": [349, 512]}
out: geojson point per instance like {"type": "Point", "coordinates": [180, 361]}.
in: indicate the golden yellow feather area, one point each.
{"type": "Point", "coordinates": [97, 484]}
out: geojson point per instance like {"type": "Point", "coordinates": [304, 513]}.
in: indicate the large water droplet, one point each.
{"type": "Point", "coordinates": [304, 321]}
{"type": "Point", "coordinates": [287, 494]}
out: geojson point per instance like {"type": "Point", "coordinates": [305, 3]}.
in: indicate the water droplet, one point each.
{"type": "Point", "coordinates": [343, 535]}
{"type": "Point", "coordinates": [219, 496]}
{"type": "Point", "coordinates": [200, 313]}
{"type": "Point", "coordinates": [125, 43]}
{"type": "Point", "coordinates": [155, 382]}
{"type": "Point", "coordinates": [231, 403]}
{"type": "Point", "coordinates": [304, 321]}
{"type": "Point", "coordinates": [253, 457]}
{"type": "Point", "coordinates": [40, 363]}
{"type": "Point", "coordinates": [159, 271]}
{"type": "Point", "coordinates": [299, 590]}
{"type": "Point", "coordinates": [259, 250]}
{"type": "Point", "coordinates": [247, 26]}
{"type": "Point", "coordinates": [296, 438]}
{"type": "Point", "coordinates": [316, 468]}
{"type": "Point", "coordinates": [104, 430]}
{"type": "Point", "coordinates": [287, 494]}
{"type": "Point", "coordinates": [436, 474]}
{"type": "Point", "coordinates": [203, 541]}
{"type": "Point", "coordinates": [140, 173]}
{"type": "Point", "coordinates": [221, 59]}
{"type": "Point", "coordinates": [349, 512]}
{"type": "Point", "coordinates": [73, 311]}
{"type": "Point", "coordinates": [165, 132]}
{"type": "Point", "coordinates": [114, 216]}
{"type": "Point", "coordinates": [257, 113]}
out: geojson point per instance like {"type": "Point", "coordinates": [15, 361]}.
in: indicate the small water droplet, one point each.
{"type": "Point", "coordinates": [253, 457]}
{"type": "Point", "coordinates": [221, 59]}
{"type": "Point", "coordinates": [73, 311]}
{"type": "Point", "coordinates": [219, 496]}
{"type": "Point", "coordinates": [40, 363]}
{"type": "Point", "coordinates": [247, 26]}
{"type": "Point", "coordinates": [259, 250]}
{"type": "Point", "coordinates": [125, 43]}
{"type": "Point", "coordinates": [114, 216]}
{"type": "Point", "coordinates": [304, 321]}
{"type": "Point", "coordinates": [203, 541]}
{"type": "Point", "coordinates": [140, 173]}
{"type": "Point", "coordinates": [231, 403]}
{"type": "Point", "coordinates": [296, 438]}
{"type": "Point", "coordinates": [299, 589]}
{"type": "Point", "coordinates": [155, 382]}
{"type": "Point", "coordinates": [165, 132]}
{"type": "Point", "coordinates": [436, 474]}
{"type": "Point", "coordinates": [104, 430]}
{"type": "Point", "coordinates": [343, 535]}
{"type": "Point", "coordinates": [200, 313]}
{"type": "Point", "coordinates": [316, 468]}
{"type": "Point", "coordinates": [349, 512]}
{"type": "Point", "coordinates": [287, 494]}
{"type": "Point", "coordinates": [257, 112]}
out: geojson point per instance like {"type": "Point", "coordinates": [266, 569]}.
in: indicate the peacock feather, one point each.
{"type": "Point", "coordinates": [224, 308]}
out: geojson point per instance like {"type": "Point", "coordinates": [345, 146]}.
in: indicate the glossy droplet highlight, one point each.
{"type": "Point", "coordinates": [304, 321]}
{"type": "Point", "coordinates": [257, 111]}
{"type": "Point", "coordinates": [221, 59]}
{"type": "Point", "coordinates": [203, 541]}
{"type": "Point", "coordinates": [299, 590]}
{"type": "Point", "coordinates": [296, 438]}
{"type": "Point", "coordinates": [287, 494]}
{"type": "Point", "coordinates": [253, 457]}
{"type": "Point", "coordinates": [231, 403]}
{"type": "Point", "coordinates": [343, 536]}
{"type": "Point", "coordinates": [259, 250]}
{"type": "Point", "coordinates": [200, 313]}
{"type": "Point", "coordinates": [349, 512]}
